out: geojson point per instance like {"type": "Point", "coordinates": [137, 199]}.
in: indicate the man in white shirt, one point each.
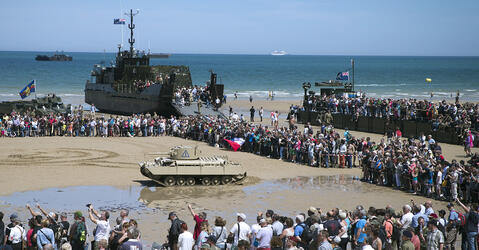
{"type": "Point", "coordinates": [264, 235]}
{"type": "Point", "coordinates": [102, 231]}
{"type": "Point", "coordinates": [185, 240]}
{"type": "Point", "coordinates": [241, 230]}
{"type": "Point", "coordinates": [277, 226]}
{"type": "Point", "coordinates": [406, 219]}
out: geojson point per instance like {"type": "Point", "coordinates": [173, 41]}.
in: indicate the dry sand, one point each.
{"type": "Point", "coordinates": [60, 162]}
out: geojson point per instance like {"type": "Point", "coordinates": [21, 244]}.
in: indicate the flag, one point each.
{"type": "Point", "coordinates": [428, 80]}
{"type": "Point", "coordinates": [27, 90]}
{"type": "Point", "coordinates": [119, 21]}
{"type": "Point", "coordinates": [236, 143]}
{"type": "Point", "coordinates": [342, 76]}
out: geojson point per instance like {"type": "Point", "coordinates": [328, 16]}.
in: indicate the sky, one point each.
{"type": "Point", "coordinates": [307, 27]}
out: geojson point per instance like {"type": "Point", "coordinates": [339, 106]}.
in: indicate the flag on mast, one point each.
{"type": "Point", "coordinates": [25, 92]}
{"type": "Point", "coordinates": [119, 21]}
{"type": "Point", "coordinates": [342, 76]}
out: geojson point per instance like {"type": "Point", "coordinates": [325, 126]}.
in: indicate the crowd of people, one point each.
{"type": "Point", "coordinates": [52, 230]}
{"type": "Point", "coordinates": [418, 166]}
{"type": "Point", "coordinates": [462, 116]}
{"type": "Point", "coordinates": [414, 227]}
{"type": "Point", "coordinates": [141, 85]}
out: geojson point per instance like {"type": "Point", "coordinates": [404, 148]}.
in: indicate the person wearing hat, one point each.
{"type": "Point", "coordinates": [451, 229]}
{"type": "Point", "coordinates": [264, 235]}
{"type": "Point", "coordinates": [198, 218]}
{"type": "Point", "coordinates": [240, 230]}
{"type": "Point", "coordinates": [406, 241]}
{"type": "Point", "coordinates": [78, 232]}
{"type": "Point", "coordinates": [311, 212]}
{"type": "Point", "coordinates": [174, 231]}
{"type": "Point", "coordinates": [435, 238]}
{"type": "Point", "coordinates": [15, 233]}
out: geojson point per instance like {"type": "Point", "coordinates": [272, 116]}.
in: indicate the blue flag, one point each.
{"type": "Point", "coordinates": [342, 76]}
{"type": "Point", "coordinates": [27, 90]}
{"type": "Point", "coordinates": [119, 21]}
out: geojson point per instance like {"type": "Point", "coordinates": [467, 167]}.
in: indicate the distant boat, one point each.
{"type": "Point", "coordinates": [160, 55]}
{"type": "Point", "coordinates": [56, 57]}
{"type": "Point", "coordinates": [278, 53]}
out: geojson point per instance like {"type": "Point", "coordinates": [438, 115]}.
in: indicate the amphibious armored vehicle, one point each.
{"type": "Point", "coordinates": [40, 106]}
{"type": "Point", "coordinates": [184, 165]}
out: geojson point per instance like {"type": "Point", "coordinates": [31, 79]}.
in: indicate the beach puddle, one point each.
{"type": "Point", "coordinates": [142, 197]}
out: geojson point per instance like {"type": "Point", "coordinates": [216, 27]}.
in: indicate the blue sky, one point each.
{"type": "Point", "coordinates": [316, 27]}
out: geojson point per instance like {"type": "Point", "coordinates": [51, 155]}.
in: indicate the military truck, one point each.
{"type": "Point", "coordinates": [184, 166]}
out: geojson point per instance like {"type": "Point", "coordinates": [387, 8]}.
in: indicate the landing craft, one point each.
{"type": "Point", "coordinates": [131, 85]}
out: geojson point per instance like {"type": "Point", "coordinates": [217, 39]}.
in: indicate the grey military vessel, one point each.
{"type": "Point", "coordinates": [132, 85]}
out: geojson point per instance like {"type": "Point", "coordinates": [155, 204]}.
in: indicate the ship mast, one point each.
{"type": "Point", "coordinates": [131, 26]}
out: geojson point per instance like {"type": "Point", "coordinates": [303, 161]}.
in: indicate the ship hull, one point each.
{"type": "Point", "coordinates": [128, 104]}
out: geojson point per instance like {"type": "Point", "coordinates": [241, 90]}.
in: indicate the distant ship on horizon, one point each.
{"type": "Point", "coordinates": [278, 53]}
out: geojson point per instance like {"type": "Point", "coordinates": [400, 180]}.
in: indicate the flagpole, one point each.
{"type": "Point", "coordinates": [35, 83]}
{"type": "Point", "coordinates": [121, 13]}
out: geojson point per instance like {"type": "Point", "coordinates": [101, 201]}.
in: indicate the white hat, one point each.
{"type": "Point", "coordinates": [300, 217]}
{"type": "Point", "coordinates": [243, 216]}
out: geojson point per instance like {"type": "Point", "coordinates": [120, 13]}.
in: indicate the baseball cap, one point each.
{"type": "Point", "coordinates": [13, 216]}
{"type": "Point", "coordinates": [171, 214]}
{"type": "Point", "coordinates": [243, 216]}
{"type": "Point", "coordinates": [78, 214]}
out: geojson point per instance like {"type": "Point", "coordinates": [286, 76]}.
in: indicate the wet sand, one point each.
{"type": "Point", "coordinates": [104, 171]}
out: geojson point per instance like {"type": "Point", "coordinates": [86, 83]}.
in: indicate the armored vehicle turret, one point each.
{"type": "Point", "coordinates": [185, 165]}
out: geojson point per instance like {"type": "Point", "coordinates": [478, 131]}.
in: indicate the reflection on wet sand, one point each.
{"type": "Point", "coordinates": [148, 196]}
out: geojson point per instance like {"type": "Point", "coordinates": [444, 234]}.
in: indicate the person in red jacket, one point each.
{"type": "Point", "coordinates": [199, 219]}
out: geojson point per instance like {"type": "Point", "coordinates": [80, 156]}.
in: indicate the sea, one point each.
{"type": "Point", "coordinates": [257, 75]}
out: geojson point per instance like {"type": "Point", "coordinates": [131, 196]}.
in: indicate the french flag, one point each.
{"type": "Point", "coordinates": [236, 143]}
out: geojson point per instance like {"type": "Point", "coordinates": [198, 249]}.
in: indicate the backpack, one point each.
{"type": "Point", "coordinates": [396, 236]}
{"type": "Point", "coordinates": [58, 231]}
{"type": "Point", "coordinates": [80, 233]}
{"type": "Point", "coordinates": [383, 236]}
{"type": "Point", "coordinates": [461, 221]}
{"type": "Point", "coordinates": [307, 234]}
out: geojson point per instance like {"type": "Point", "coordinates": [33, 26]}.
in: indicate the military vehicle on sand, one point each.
{"type": "Point", "coordinates": [40, 106]}
{"type": "Point", "coordinates": [184, 166]}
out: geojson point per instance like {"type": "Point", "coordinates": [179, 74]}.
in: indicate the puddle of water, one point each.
{"type": "Point", "coordinates": [141, 197]}
{"type": "Point", "coordinates": [74, 198]}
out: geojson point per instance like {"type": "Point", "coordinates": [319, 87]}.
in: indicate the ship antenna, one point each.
{"type": "Point", "coordinates": [131, 26]}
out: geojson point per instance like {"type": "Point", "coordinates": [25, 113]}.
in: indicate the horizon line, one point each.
{"type": "Point", "coordinates": [245, 54]}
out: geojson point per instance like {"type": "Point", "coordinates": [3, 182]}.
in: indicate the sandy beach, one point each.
{"type": "Point", "coordinates": [59, 163]}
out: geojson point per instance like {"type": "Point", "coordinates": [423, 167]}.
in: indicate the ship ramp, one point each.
{"type": "Point", "coordinates": [192, 110]}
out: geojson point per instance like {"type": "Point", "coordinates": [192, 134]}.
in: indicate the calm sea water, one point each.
{"type": "Point", "coordinates": [257, 74]}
